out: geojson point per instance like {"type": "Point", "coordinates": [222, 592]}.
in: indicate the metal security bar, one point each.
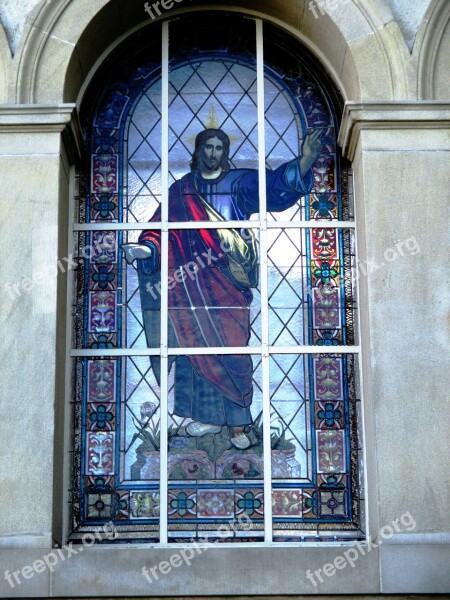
{"type": "Point", "coordinates": [264, 283]}
{"type": "Point", "coordinates": [163, 482]}
{"type": "Point", "coordinates": [215, 225]}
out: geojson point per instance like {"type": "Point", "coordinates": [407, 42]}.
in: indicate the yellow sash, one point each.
{"type": "Point", "coordinates": [240, 249]}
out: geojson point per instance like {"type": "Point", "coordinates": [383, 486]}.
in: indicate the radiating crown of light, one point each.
{"type": "Point", "coordinates": [212, 122]}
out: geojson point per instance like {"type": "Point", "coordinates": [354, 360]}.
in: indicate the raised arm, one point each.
{"type": "Point", "coordinates": [286, 184]}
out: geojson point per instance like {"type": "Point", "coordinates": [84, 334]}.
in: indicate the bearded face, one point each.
{"type": "Point", "coordinates": [211, 155]}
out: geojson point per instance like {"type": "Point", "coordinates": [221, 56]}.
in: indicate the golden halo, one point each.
{"type": "Point", "coordinates": [212, 122]}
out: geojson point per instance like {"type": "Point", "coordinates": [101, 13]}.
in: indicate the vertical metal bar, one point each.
{"type": "Point", "coordinates": [263, 246]}
{"type": "Point", "coordinates": [163, 481]}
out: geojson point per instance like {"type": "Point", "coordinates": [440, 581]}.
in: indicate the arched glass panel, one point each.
{"type": "Point", "coordinates": [215, 345]}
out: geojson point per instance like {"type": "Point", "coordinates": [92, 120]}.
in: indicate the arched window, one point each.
{"type": "Point", "coordinates": [214, 344]}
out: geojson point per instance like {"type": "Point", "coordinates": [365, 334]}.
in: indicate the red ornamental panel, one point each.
{"type": "Point", "coordinates": [215, 503]}
{"type": "Point", "coordinates": [324, 243]}
{"type": "Point", "coordinates": [287, 503]}
{"type": "Point", "coordinates": [100, 453]}
{"type": "Point", "coordinates": [104, 247]}
{"type": "Point", "coordinates": [145, 505]}
{"type": "Point", "coordinates": [330, 451]}
{"type": "Point", "coordinates": [104, 173]}
{"type": "Point", "coordinates": [101, 380]}
{"type": "Point", "coordinates": [326, 313]}
{"type": "Point", "coordinates": [328, 378]}
{"type": "Point", "coordinates": [102, 312]}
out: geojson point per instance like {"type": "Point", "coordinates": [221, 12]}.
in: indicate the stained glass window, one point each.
{"type": "Point", "coordinates": [215, 344]}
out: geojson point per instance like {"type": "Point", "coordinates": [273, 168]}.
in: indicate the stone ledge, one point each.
{"type": "Point", "coordinates": [118, 571]}
{"type": "Point", "coordinates": [420, 568]}
{"type": "Point", "coordinates": [28, 541]}
{"type": "Point", "coordinates": [45, 118]}
{"type": "Point", "coordinates": [111, 572]}
{"type": "Point", "coordinates": [331, 597]}
{"type": "Point", "coordinates": [35, 115]}
{"type": "Point", "coordinates": [400, 539]}
{"type": "Point", "coordinates": [359, 116]}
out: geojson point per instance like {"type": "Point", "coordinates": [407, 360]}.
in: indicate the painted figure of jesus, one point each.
{"type": "Point", "coordinates": [208, 306]}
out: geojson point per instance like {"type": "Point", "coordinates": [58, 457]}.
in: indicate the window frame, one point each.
{"type": "Point", "coordinates": [265, 350]}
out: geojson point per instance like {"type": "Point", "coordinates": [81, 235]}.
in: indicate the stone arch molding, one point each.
{"type": "Point", "coordinates": [432, 50]}
{"type": "Point", "coordinates": [359, 42]}
{"type": "Point", "coordinates": [5, 65]}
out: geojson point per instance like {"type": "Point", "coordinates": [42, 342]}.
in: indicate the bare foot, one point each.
{"type": "Point", "coordinates": [239, 439]}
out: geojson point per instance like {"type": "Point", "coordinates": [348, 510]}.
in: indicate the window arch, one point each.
{"type": "Point", "coordinates": [214, 342]}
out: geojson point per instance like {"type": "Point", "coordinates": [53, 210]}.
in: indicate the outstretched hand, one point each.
{"type": "Point", "coordinates": [135, 251]}
{"type": "Point", "coordinates": [311, 149]}
{"type": "Point", "coordinates": [312, 145]}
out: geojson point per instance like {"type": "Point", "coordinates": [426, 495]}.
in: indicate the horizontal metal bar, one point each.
{"type": "Point", "coordinates": [314, 350]}
{"type": "Point", "coordinates": [167, 225]}
{"type": "Point", "coordinates": [115, 226]}
{"type": "Point", "coordinates": [219, 350]}
{"type": "Point", "coordinates": [115, 352]}
{"type": "Point", "coordinates": [311, 224]}
{"type": "Point", "coordinates": [213, 225]}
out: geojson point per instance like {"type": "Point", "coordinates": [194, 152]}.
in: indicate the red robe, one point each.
{"type": "Point", "coordinates": [205, 308]}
